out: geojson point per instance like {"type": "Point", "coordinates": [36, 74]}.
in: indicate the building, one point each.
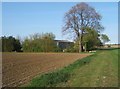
{"type": "Point", "coordinates": [64, 44]}
{"type": "Point", "coordinates": [112, 45]}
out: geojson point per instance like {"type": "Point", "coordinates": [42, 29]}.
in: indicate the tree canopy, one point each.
{"type": "Point", "coordinates": [91, 39]}
{"type": "Point", "coordinates": [105, 38]}
{"type": "Point", "coordinates": [40, 43]}
{"type": "Point", "coordinates": [80, 17]}
{"type": "Point", "coordinates": [10, 44]}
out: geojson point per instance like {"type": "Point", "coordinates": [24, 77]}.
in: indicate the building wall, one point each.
{"type": "Point", "coordinates": [64, 45]}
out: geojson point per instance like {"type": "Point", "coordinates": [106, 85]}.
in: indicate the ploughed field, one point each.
{"type": "Point", "coordinates": [20, 68]}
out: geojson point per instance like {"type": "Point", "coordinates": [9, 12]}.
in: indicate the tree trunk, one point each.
{"type": "Point", "coordinates": [80, 44]}
{"type": "Point", "coordinates": [85, 46]}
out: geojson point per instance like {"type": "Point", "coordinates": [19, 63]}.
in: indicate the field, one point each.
{"type": "Point", "coordinates": [19, 68]}
{"type": "Point", "coordinates": [98, 70]}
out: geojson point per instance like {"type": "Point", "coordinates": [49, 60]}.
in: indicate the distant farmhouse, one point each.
{"type": "Point", "coordinates": [64, 44]}
{"type": "Point", "coordinates": [112, 45]}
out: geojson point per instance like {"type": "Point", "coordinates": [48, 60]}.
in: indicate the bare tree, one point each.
{"type": "Point", "coordinates": [78, 18]}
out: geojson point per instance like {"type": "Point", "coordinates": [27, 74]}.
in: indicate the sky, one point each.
{"type": "Point", "coordinates": [25, 18]}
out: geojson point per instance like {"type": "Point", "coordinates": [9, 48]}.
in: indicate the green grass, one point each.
{"type": "Point", "coordinates": [47, 52]}
{"type": "Point", "coordinates": [98, 70]}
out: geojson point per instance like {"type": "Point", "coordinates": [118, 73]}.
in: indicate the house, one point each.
{"type": "Point", "coordinates": [64, 44]}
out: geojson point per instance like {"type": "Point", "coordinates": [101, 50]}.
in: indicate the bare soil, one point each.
{"type": "Point", "coordinates": [19, 68]}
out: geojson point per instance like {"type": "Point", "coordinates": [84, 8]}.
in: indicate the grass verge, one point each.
{"type": "Point", "coordinates": [97, 70]}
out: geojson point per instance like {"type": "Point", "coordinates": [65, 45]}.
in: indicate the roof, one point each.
{"type": "Point", "coordinates": [62, 41]}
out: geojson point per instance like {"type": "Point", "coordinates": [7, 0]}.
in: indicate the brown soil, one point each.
{"type": "Point", "coordinates": [19, 68]}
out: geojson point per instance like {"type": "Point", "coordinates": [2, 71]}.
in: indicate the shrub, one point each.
{"type": "Point", "coordinates": [50, 79]}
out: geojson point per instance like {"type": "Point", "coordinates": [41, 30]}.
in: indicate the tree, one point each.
{"type": "Point", "coordinates": [78, 18]}
{"type": "Point", "coordinates": [105, 38]}
{"type": "Point", "coordinates": [48, 42]}
{"type": "Point", "coordinates": [10, 44]}
{"type": "Point", "coordinates": [40, 43]}
{"type": "Point", "coordinates": [91, 39]}
{"type": "Point", "coordinates": [17, 45]}
{"type": "Point", "coordinates": [48, 36]}
{"type": "Point", "coordinates": [35, 36]}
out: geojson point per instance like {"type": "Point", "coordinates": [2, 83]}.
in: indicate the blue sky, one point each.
{"type": "Point", "coordinates": [25, 18]}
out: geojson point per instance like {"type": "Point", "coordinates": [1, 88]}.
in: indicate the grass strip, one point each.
{"type": "Point", "coordinates": [59, 76]}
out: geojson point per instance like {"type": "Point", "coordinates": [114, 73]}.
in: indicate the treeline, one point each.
{"type": "Point", "coordinates": [46, 43]}
{"type": "Point", "coordinates": [33, 43]}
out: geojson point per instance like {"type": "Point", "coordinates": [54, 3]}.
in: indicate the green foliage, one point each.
{"type": "Point", "coordinates": [50, 79]}
{"type": "Point", "coordinates": [48, 35]}
{"type": "Point", "coordinates": [91, 39]}
{"type": "Point", "coordinates": [10, 44]}
{"type": "Point", "coordinates": [76, 46]}
{"type": "Point", "coordinates": [68, 50]}
{"type": "Point", "coordinates": [40, 43]}
{"type": "Point", "coordinates": [105, 38]}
